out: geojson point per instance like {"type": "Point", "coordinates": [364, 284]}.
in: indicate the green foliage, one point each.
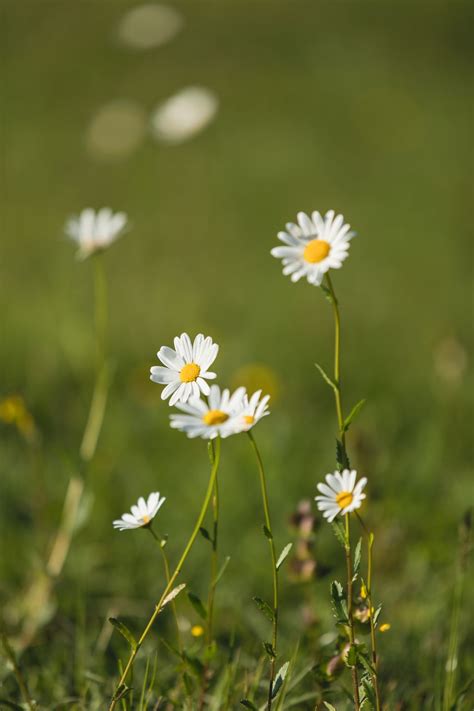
{"type": "Point", "coordinates": [357, 558]}
{"type": "Point", "coordinates": [353, 414]}
{"type": "Point", "coordinates": [339, 603]}
{"type": "Point", "coordinates": [339, 531]}
{"type": "Point", "coordinates": [269, 649]}
{"type": "Point", "coordinates": [265, 608]}
{"type": "Point", "coordinates": [283, 555]}
{"type": "Point", "coordinates": [279, 679]}
{"type": "Point", "coordinates": [326, 377]}
{"type": "Point", "coordinates": [342, 460]}
{"type": "Point", "coordinates": [124, 631]}
{"type": "Point", "coordinates": [267, 533]}
{"type": "Point", "coordinates": [198, 605]}
{"type": "Point", "coordinates": [248, 704]}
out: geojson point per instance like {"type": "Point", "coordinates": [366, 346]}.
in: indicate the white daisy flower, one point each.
{"type": "Point", "coordinates": [341, 494]}
{"type": "Point", "coordinates": [95, 230]}
{"type": "Point", "coordinates": [142, 513]}
{"type": "Point", "coordinates": [314, 246]}
{"type": "Point", "coordinates": [219, 416]}
{"type": "Point", "coordinates": [253, 409]}
{"type": "Point", "coordinates": [186, 368]}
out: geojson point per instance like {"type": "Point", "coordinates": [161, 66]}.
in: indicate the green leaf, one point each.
{"type": "Point", "coordinates": [248, 704]}
{"type": "Point", "coordinates": [124, 631]}
{"type": "Point", "coordinates": [197, 604]}
{"type": "Point", "coordinates": [339, 532]}
{"type": "Point", "coordinates": [329, 706]}
{"type": "Point", "coordinates": [205, 534]}
{"type": "Point", "coordinates": [365, 662]}
{"type": "Point", "coordinates": [267, 533]}
{"type": "Point", "coordinates": [326, 377]}
{"type": "Point", "coordinates": [351, 658]}
{"type": "Point", "coordinates": [369, 691]}
{"type": "Point", "coordinates": [10, 705]}
{"type": "Point", "coordinates": [265, 608]}
{"type": "Point", "coordinates": [122, 692]}
{"type": "Point", "coordinates": [357, 558]}
{"type": "Point", "coordinates": [269, 650]}
{"type": "Point", "coordinates": [222, 570]}
{"type": "Point", "coordinates": [210, 651]}
{"type": "Point", "coordinates": [376, 614]}
{"type": "Point", "coordinates": [283, 555]}
{"type": "Point", "coordinates": [174, 593]}
{"type": "Point", "coordinates": [164, 540]}
{"type": "Point", "coordinates": [341, 456]}
{"type": "Point", "coordinates": [353, 414]}
{"type": "Point", "coordinates": [279, 679]}
{"type": "Point", "coordinates": [339, 603]}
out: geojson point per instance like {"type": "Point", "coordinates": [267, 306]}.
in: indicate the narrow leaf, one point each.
{"type": "Point", "coordinates": [369, 691]}
{"type": "Point", "coordinates": [283, 555]}
{"type": "Point", "coordinates": [174, 593]}
{"type": "Point", "coordinates": [279, 679]}
{"type": "Point", "coordinates": [339, 603]}
{"type": "Point", "coordinates": [265, 608]}
{"type": "Point", "coordinates": [248, 704]}
{"type": "Point", "coordinates": [329, 706]}
{"type": "Point", "coordinates": [267, 533]}
{"type": "Point", "coordinates": [205, 534]}
{"type": "Point", "coordinates": [269, 650]}
{"type": "Point", "coordinates": [327, 293]}
{"type": "Point", "coordinates": [122, 692]}
{"type": "Point", "coordinates": [222, 570]}
{"type": "Point", "coordinates": [341, 456]}
{"type": "Point", "coordinates": [198, 605]}
{"type": "Point", "coordinates": [326, 377]}
{"type": "Point", "coordinates": [124, 631]}
{"type": "Point", "coordinates": [376, 614]}
{"type": "Point", "coordinates": [353, 414]}
{"type": "Point", "coordinates": [357, 558]}
{"type": "Point", "coordinates": [339, 532]}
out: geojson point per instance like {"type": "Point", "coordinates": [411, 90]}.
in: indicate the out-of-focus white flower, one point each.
{"type": "Point", "coordinates": [116, 130]}
{"type": "Point", "coordinates": [253, 409]}
{"type": "Point", "coordinates": [142, 514]}
{"type": "Point", "coordinates": [340, 494]}
{"type": "Point", "coordinates": [209, 419]}
{"type": "Point", "coordinates": [314, 246]}
{"type": "Point", "coordinates": [186, 368]}
{"type": "Point", "coordinates": [93, 231]}
{"type": "Point", "coordinates": [184, 114]}
{"type": "Point", "coordinates": [149, 25]}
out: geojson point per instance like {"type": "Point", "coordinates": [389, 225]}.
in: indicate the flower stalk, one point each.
{"type": "Point", "coordinates": [205, 505]}
{"type": "Point", "coordinates": [269, 535]}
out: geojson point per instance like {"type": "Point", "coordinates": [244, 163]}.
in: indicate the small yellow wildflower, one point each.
{"type": "Point", "coordinates": [197, 630]}
{"type": "Point", "coordinates": [385, 627]}
{"type": "Point", "coordinates": [13, 411]}
{"type": "Point", "coordinates": [363, 591]}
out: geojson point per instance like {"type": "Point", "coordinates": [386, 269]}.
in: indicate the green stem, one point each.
{"type": "Point", "coordinates": [373, 640]}
{"type": "Point", "coordinates": [337, 360]}
{"type": "Point", "coordinates": [266, 511]}
{"type": "Point", "coordinates": [355, 679]}
{"type": "Point", "coordinates": [167, 574]}
{"type": "Point", "coordinates": [189, 545]}
{"type": "Point", "coordinates": [17, 671]}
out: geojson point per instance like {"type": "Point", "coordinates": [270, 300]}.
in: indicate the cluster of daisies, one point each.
{"type": "Point", "coordinates": [312, 246]}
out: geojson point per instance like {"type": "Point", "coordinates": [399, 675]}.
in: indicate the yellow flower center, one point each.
{"type": "Point", "coordinates": [189, 373]}
{"type": "Point", "coordinates": [215, 417]}
{"type": "Point", "coordinates": [344, 498]}
{"type": "Point", "coordinates": [316, 250]}
{"type": "Point", "coordinates": [145, 519]}
{"type": "Point", "coordinates": [249, 419]}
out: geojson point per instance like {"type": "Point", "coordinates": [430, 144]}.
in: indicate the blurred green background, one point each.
{"type": "Point", "coordinates": [358, 106]}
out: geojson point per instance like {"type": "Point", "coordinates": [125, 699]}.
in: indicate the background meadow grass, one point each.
{"type": "Point", "coordinates": [359, 106]}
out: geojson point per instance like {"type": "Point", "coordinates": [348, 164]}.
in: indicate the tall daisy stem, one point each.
{"type": "Point", "coordinates": [166, 566]}
{"type": "Point", "coordinates": [337, 360]}
{"type": "Point", "coordinates": [342, 438]}
{"type": "Point", "coordinates": [212, 582]}
{"type": "Point", "coordinates": [373, 639]}
{"type": "Point", "coordinates": [176, 572]}
{"type": "Point", "coordinates": [268, 525]}
{"type": "Point", "coordinates": [355, 679]}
